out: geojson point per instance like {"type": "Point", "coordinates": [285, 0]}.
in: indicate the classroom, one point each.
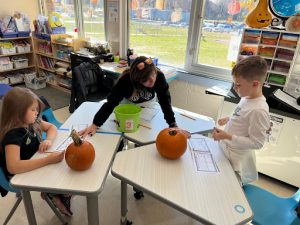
{"type": "Point", "coordinates": [188, 112]}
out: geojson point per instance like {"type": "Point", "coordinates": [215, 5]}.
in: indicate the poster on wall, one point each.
{"type": "Point", "coordinates": [113, 11]}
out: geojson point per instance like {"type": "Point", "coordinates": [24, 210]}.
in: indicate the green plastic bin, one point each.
{"type": "Point", "coordinates": [127, 117]}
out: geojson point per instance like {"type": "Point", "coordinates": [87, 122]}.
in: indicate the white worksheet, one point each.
{"type": "Point", "coordinates": [201, 154]}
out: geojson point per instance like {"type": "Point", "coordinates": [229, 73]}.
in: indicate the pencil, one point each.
{"type": "Point", "coordinates": [187, 116]}
{"type": "Point", "coordinates": [142, 125]}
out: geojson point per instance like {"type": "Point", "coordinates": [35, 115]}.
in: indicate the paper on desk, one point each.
{"type": "Point", "coordinates": [147, 114]}
{"type": "Point", "coordinates": [198, 144]}
{"type": "Point", "coordinates": [60, 144]}
{"type": "Point", "coordinates": [286, 98]}
{"type": "Point", "coordinates": [202, 157]}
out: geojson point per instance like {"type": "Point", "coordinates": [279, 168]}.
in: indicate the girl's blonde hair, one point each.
{"type": "Point", "coordinates": [14, 108]}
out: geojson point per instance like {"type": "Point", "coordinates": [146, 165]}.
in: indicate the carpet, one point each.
{"type": "Point", "coordinates": [56, 98]}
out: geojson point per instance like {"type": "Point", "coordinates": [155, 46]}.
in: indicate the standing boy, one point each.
{"type": "Point", "coordinates": [247, 127]}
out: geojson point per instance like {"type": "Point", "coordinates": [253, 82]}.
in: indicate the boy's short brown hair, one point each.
{"type": "Point", "coordinates": [251, 68]}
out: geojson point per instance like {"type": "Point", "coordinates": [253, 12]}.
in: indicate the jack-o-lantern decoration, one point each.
{"type": "Point", "coordinates": [171, 143]}
{"type": "Point", "coordinates": [260, 16]}
{"type": "Point", "coordinates": [80, 154]}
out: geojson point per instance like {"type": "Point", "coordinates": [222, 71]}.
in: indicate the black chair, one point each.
{"type": "Point", "coordinates": [88, 84]}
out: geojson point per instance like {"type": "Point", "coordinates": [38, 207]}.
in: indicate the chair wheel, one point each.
{"type": "Point", "coordinates": [129, 222]}
{"type": "Point", "coordinates": [138, 195]}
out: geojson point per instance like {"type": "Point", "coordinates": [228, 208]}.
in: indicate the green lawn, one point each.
{"type": "Point", "coordinates": [168, 43]}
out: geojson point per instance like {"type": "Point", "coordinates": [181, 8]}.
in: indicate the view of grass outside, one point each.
{"type": "Point", "coordinates": [166, 42]}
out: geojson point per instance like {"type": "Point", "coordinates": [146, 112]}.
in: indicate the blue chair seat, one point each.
{"type": "Point", "coordinates": [270, 209]}
{"type": "Point", "coordinates": [48, 116]}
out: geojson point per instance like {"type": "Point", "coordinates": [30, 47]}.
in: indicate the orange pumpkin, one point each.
{"type": "Point", "coordinates": [80, 154]}
{"type": "Point", "coordinates": [171, 143]}
{"type": "Point", "coordinates": [260, 16]}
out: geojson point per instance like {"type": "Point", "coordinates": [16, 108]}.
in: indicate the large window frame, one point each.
{"type": "Point", "coordinates": [191, 64]}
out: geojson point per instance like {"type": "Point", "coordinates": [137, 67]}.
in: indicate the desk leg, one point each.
{"type": "Point", "coordinates": [28, 207]}
{"type": "Point", "coordinates": [93, 210]}
{"type": "Point", "coordinates": [123, 203]}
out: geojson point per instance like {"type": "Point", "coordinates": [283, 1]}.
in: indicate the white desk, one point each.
{"type": "Point", "coordinates": [199, 124]}
{"type": "Point", "coordinates": [59, 178]}
{"type": "Point", "coordinates": [211, 198]}
{"type": "Point", "coordinates": [85, 113]}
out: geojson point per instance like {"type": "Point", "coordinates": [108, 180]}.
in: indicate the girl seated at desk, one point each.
{"type": "Point", "coordinates": [20, 137]}
{"type": "Point", "coordinates": [138, 84]}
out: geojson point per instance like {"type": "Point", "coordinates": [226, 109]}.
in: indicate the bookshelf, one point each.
{"type": "Point", "coordinates": [16, 59]}
{"type": "Point", "coordinates": [278, 47]}
{"type": "Point", "coordinates": [53, 58]}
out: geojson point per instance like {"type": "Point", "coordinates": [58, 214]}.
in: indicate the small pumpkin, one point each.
{"type": "Point", "coordinates": [80, 154]}
{"type": "Point", "coordinates": [260, 16]}
{"type": "Point", "coordinates": [171, 143]}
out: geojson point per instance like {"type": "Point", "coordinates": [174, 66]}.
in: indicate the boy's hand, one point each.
{"type": "Point", "coordinates": [223, 121]}
{"type": "Point", "coordinates": [219, 134]}
{"type": "Point", "coordinates": [91, 130]}
{"type": "Point", "coordinates": [55, 157]}
{"type": "Point", "coordinates": [44, 145]}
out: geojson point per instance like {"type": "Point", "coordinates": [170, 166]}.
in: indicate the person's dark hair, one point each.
{"type": "Point", "coordinates": [251, 68]}
{"type": "Point", "coordinates": [140, 70]}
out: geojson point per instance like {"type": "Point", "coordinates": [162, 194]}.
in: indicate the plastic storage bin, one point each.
{"type": "Point", "coordinates": [23, 49]}
{"type": "Point", "coordinates": [34, 82]}
{"type": "Point", "coordinates": [20, 62]}
{"type": "Point", "coordinates": [6, 51]}
{"type": "Point", "coordinates": [6, 66]}
{"type": "Point", "coordinates": [16, 78]}
{"type": "Point", "coordinates": [23, 33]}
{"type": "Point", "coordinates": [8, 35]}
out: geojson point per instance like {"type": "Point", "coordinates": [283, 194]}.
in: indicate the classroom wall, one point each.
{"type": "Point", "coordinates": [192, 97]}
{"type": "Point", "coordinates": [28, 7]}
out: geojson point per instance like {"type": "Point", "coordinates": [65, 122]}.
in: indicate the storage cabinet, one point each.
{"type": "Point", "coordinates": [278, 48]}
{"type": "Point", "coordinates": [53, 58]}
{"type": "Point", "coordinates": [16, 59]}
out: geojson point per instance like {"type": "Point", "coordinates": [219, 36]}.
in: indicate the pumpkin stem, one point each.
{"type": "Point", "coordinates": [173, 132]}
{"type": "Point", "coordinates": [77, 140]}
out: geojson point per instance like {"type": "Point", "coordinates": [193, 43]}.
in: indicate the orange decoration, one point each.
{"type": "Point", "coordinates": [80, 154]}
{"type": "Point", "coordinates": [171, 143]}
{"type": "Point", "coordinates": [260, 16]}
{"type": "Point", "coordinates": [94, 2]}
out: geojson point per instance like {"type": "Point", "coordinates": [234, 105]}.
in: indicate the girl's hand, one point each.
{"type": "Point", "coordinates": [91, 130]}
{"type": "Point", "coordinates": [223, 121]}
{"type": "Point", "coordinates": [219, 134]}
{"type": "Point", "coordinates": [55, 157]}
{"type": "Point", "coordinates": [44, 145]}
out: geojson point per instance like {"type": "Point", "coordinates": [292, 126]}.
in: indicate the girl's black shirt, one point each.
{"type": "Point", "coordinates": [26, 139]}
{"type": "Point", "coordinates": [124, 89]}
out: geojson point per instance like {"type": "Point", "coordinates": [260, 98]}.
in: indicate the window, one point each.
{"type": "Point", "coordinates": [65, 8]}
{"type": "Point", "coordinates": [214, 34]}
{"type": "Point", "coordinates": [93, 19]}
{"type": "Point", "coordinates": [160, 28]}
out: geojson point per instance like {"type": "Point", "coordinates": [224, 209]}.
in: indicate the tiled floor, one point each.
{"type": "Point", "coordinates": [147, 211]}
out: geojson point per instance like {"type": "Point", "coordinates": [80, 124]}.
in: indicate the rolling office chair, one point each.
{"type": "Point", "coordinates": [5, 188]}
{"type": "Point", "coordinates": [269, 208]}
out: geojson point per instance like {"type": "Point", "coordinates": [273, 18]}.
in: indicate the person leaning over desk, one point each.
{"type": "Point", "coordinates": [137, 84]}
